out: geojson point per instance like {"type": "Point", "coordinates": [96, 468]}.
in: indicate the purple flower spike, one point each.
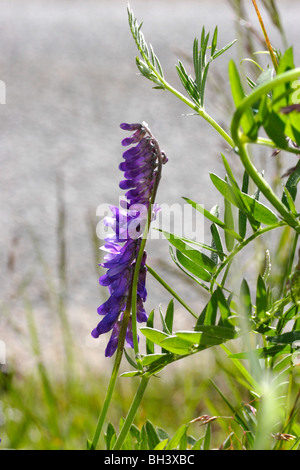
{"type": "Point", "coordinates": [127, 222]}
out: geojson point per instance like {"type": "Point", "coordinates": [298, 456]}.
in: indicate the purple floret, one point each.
{"type": "Point", "coordinates": [122, 247]}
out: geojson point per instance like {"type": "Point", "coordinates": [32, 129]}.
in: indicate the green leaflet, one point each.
{"type": "Point", "coordinates": [292, 184]}
{"type": "Point", "coordinates": [261, 298]}
{"type": "Point", "coordinates": [184, 342]}
{"type": "Point", "coordinates": [285, 338]}
{"type": "Point", "coordinates": [213, 218]}
{"type": "Point", "coordinates": [154, 335]}
{"type": "Point", "coordinates": [245, 299]}
{"type": "Point", "coordinates": [216, 331]}
{"type": "Point", "coordinates": [176, 439]}
{"type": "Point", "coordinates": [153, 438]}
{"type": "Point", "coordinates": [229, 224]}
{"type": "Point", "coordinates": [192, 267]}
{"type": "Point", "coordinates": [194, 255]}
{"type": "Point", "coordinates": [150, 358]}
{"type": "Point", "coordinates": [258, 211]}
{"type": "Point", "coordinates": [238, 94]}
{"type": "Point", "coordinates": [110, 436]}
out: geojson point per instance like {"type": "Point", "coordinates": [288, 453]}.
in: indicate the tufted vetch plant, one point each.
{"type": "Point", "coordinates": [255, 321]}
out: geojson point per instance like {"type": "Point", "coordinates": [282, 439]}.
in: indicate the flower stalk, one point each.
{"type": "Point", "coordinates": [126, 258]}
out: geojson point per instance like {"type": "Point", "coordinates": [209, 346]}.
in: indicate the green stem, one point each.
{"type": "Point", "coordinates": [242, 245]}
{"type": "Point", "coordinates": [241, 143]}
{"type": "Point", "coordinates": [114, 375]}
{"type": "Point", "coordinates": [270, 143]}
{"type": "Point", "coordinates": [171, 291]}
{"type": "Point", "coordinates": [265, 188]}
{"type": "Point", "coordinates": [131, 413]}
{"type": "Point", "coordinates": [199, 110]}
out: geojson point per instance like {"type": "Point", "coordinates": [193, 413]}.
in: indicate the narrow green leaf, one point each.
{"type": "Point", "coordinates": [216, 239]}
{"type": "Point", "coordinates": [229, 223]}
{"type": "Point", "coordinates": [198, 444]}
{"type": "Point", "coordinates": [245, 299]}
{"type": "Point", "coordinates": [192, 267]}
{"type": "Point", "coordinates": [261, 353]}
{"type": "Point", "coordinates": [257, 210]}
{"type": "Point", "coordinates": [89, 445]}
{"type": "Point", "coordinates": [238, 94]}
{"type": "Point", "coordinates": [144, 439]}
{"type": "Point", "coordinates": [206, 443]}
{"type": "Point", "coordinates": [261, 298]}
{"type": "Point", "coordinates": [200, 339]}
{"type": "Point", "coordinates": [162, 434]}
{"type": "Point", "coordinates": [275, 126]}
{"type": "Point", "coordinates": [291, 205]}
{"type": "Point", "coordinates": [214, 42]}
{"type": "Point", "coordinates": [196, 61]}
{"type": "Point", "coordinates": [110, 436]}
{"type": "Point", "coordinates": [292, 184]}
{"type": "Point", "coordinates": [212, 218]}
{"type": "Point", "coordinates": [217, 331]}
{"type": "Point", "coordinates": [161, 445]}
{"type": "Point", "coordinates": [240, 200]}
{"type": "Point", "coordinates": [285, 338]}
{"type": "Point", "coordinates": [224, 49]}
{"type": "Point", "coordinates": [176, 345]}
{"type": "Point", "coordinates": [154, 335]}
{"type": "Point", "coordinates": [186, 272]}
{"type": "Point", "coordinates": [223, 307]}
{"type": "Point", "coordinates": [175, 441]}
{"type": "Point", "coordinates": [242, 215]}
{"type": "Point", "coordinates": [149, 343]}
{"type": "Point", "coordinates": [280, 92]}
{"type": "Point", "coordinates": [151, 358]}
{"type": "Point", "coordinates": [130, 360]}
{"type": "Point", "coordinates": [209, 313]}
{"type": "Point", "coordinates": [135, 433]}
{"type": "Point", "coordinates": [153, 439]}
{"type": "Point", "coordinates": [165, 326]}
{"type": "Point", "coordinates": [196, 256]}
{"type": "Point", "coordinates": [170, 315]}
{"type": "Point", "coordinates": [191, 337]}
{"type": "Point", "coordinates": [131, 374]}
{"type": "Point", "coordinates": [217, 243]}
{"type": "Point", "coordinates": [187, 82]}
{"type": "Point", "coordinates": [234, 196]}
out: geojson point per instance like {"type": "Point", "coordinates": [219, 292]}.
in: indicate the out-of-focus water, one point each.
{"type": "Point", "coordinates": [69, 69]}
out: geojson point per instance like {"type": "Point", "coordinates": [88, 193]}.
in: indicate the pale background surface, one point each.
{"type": "Point", "coordinates": [71, 79]}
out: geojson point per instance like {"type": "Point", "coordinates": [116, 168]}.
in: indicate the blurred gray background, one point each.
{"type": "Point", "coordinates": [71, 79]}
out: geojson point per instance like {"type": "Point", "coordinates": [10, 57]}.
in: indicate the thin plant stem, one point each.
{"type": "Point", "coordinates": [131, 413]}
{"type": "Point", "coordinates": [171, 291]}
{"type": "Point", "coordinates": [242, 245]}
{"type": "Point", "coordinates": [271, 144]}
{"type": "Point", "coordinates": [199, 110]}
{"type": "Point", "coordinates": [131, 304]}
{"type": "Point", "coordinates": [114, 375]}
{"type": "Point", "coordinates": [241, 143]}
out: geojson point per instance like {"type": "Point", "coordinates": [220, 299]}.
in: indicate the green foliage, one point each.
{"type": "Point", "coordinates": [267, 326]}
{"type": "Point", "coordinates": [249, 324]}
